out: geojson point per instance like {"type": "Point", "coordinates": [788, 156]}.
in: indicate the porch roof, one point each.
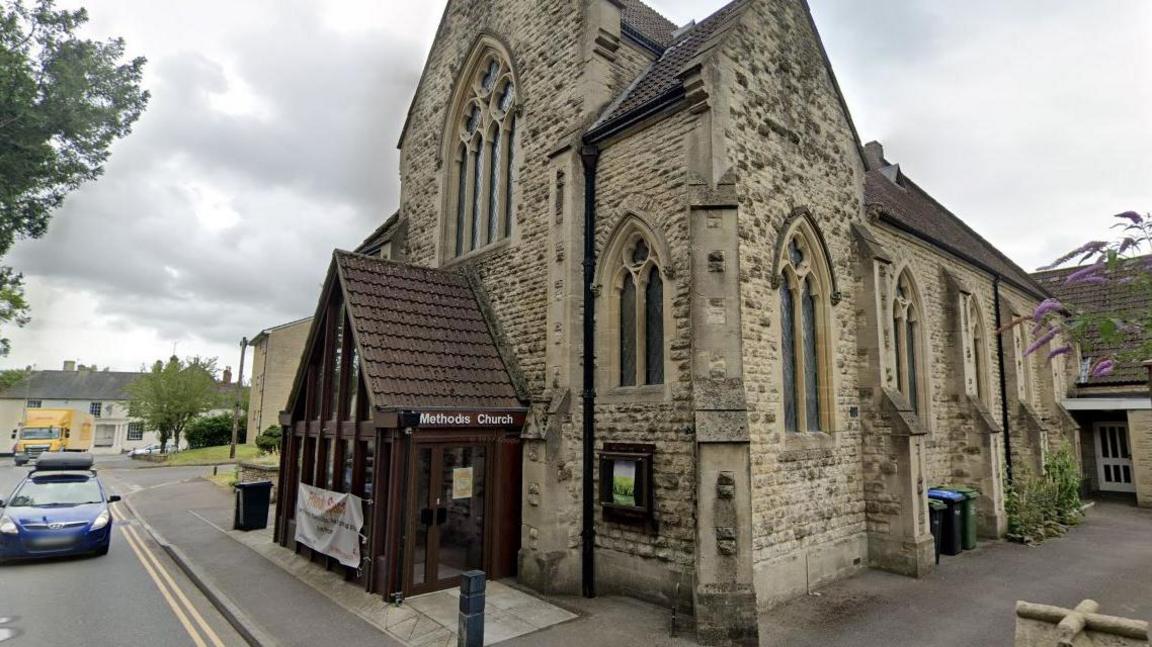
{"type": "Point", "coordinates": [422, 337]}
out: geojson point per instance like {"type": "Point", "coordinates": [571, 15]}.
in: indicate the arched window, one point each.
{"type": "Point", "coordinates": [804, 303]}
{"type": "Point", "coordinates": [978, 343]}
{"type": "Point", "coordinates": [907, 332]}
{"type": "Point", "coordinates": [638, 286]}
{"type": "Point", "coordinates": [483, 136]}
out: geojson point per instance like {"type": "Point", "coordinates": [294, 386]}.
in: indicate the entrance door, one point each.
{"type": "Point", "coordinates": [105, 435]}
{"type": "Point", "coordinates": [448, 515]}
{"type": "Point", "coordinates": [1113, 460]}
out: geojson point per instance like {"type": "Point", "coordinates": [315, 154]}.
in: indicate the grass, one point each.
{"type": "Point", "coordinates": [211, 455]}
{"type": "Point", "coordinates": [225, 479]}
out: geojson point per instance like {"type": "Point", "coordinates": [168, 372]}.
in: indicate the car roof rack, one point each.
{"type": "Point", "coordinates": [62, 462]}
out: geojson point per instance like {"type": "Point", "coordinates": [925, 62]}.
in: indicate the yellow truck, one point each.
{"type": "Point", "coordinates": [51, 430]}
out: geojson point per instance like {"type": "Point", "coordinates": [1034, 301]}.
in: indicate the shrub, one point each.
{"type": "Point", "coordinates": [212, 431]}
{"type": "Point", "coordinates": [1042, 506]}
{"type": "Point", "coordinates": [269, 440]}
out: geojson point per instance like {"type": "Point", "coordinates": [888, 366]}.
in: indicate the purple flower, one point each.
{"type": "Point", "coordinates": [1084, 274]}
{"type": "Point", "coordinates": [1046, 306]}
{"type": "Point", "coordinates": [1043, 339]}
{"type": "Point", "coordinates": [1131, 215]}
{"type": "Point", "coordinates": [1103, 368]}
{"type": "Point", "coordinates": [1056, 352]}
{"type": "Point", "coordinates": [1089, 248]}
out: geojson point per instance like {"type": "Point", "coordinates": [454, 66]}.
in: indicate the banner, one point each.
{"type": "Point", "coordinates": [330, 522]}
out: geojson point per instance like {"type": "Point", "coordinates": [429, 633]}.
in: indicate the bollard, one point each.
{"type": "Point", "coordinates": [471, 630]}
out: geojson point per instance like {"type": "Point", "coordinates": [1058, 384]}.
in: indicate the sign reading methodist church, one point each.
{"type": "Point", "coordinates": [472, 419]}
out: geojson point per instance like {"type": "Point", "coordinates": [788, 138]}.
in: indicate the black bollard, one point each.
{"type": "Point", "coordinates": [471, 630]}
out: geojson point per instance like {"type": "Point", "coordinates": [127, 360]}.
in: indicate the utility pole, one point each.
{"type": "Point", "coordinates": [236, 409]}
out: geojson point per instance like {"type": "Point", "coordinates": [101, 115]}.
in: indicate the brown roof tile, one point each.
{"type": "Point", "coordinates": [909, 206]}
{"type": "Point", "coordinates": [1126, 300]}
{"type": "Point", "coordinates": [423, 340]}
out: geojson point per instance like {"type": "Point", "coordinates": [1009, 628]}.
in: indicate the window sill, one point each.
{"type": "Point", "coordinates": [650, 393]}
{"type": "Point", "coordinates": [479, 253]}
{"type": "Point", "coordinates": [798, 440]}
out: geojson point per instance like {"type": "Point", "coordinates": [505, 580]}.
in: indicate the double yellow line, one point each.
{"type": "Point", "coordinates": [168, 588]}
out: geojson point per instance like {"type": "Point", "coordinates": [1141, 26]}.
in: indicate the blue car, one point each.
{"type": "Point", "coordinates": [59, 509]}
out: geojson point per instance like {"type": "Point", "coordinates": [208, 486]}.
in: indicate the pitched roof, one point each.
{"type": "Point", "coordinates": [662, 77]}
{"type": "Point", "coordinates": [647, 22]}
{"type": "Point", "coordinates": [1114, 297]}
{"type": "Point", "coordinates": [907, 205]}
{"type": "Point", "coordinates": [71, 385]}
{"type": "Point", "coordinates": [423, 339]}
{"type": "Point", "coordinates": [371, 244]}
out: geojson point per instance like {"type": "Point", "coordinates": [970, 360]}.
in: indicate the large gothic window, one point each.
{"type": "Point", "coordinates": [483, 142]}
{"type": "Point", "coordinates": [907, 333]}
{"type": "Point", "coordinates": [639, 306]}
{"type": "Point", "coordinates": [804, 302]}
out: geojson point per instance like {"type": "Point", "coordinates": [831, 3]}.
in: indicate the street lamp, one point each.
{"type": "Point", "coordinates": [236, 409]}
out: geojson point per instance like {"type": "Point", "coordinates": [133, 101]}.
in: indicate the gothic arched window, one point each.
{"type": "Point", "coordinates": [908, 333]}
{"type": "Point", "coordinates": [483, 136]}
{"type": "Point", "coordinates": [635, 275]}
{"type": "Point", "coordinates": [804, 302]}
{"type": "Point", "coordinates": [978, 342]}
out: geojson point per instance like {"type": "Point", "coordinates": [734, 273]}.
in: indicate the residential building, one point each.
{"type": "Point", "coordinates": [276, 355]}
{"type": "Point", "coordinates": [650, 319]}
{"type": "Point", "coordinates": [1114, 411]}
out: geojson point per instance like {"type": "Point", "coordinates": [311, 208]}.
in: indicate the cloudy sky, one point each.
{"type": "Point", "coordinates": [271, 137]}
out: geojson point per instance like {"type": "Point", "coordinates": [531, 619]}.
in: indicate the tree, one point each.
{"type": "Point", "coordinates": [13, 376]}
{"type": "Point", "coordinates": [1119, 265]}
{"type": "Point", "coordinates": [63, 101]}
{"type": "Point", "coordinates": [211, 431]}
{"type": "Point", "coordinates": [172, 394]}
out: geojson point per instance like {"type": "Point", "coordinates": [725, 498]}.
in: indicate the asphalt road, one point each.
{"type": "Point", "coordinates": [135, 595]}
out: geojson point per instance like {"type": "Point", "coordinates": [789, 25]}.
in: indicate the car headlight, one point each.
{"type": "Point", "coordinates": [8, 527]}
{"type": "Point", "coordinates": [102, 520]}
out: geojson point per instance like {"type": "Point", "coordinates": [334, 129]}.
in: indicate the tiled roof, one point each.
{"type": "Point", "coordinates": [371, 244]}
{"type": "Point", "coordinates": [423, 339]}
{"type": "Point", "coordinates": [1122, 299]}
{"type": "Point", "coordinates": [662, 76]}
{"type": "Point", "coordinates": [910, 206]}
{"type": "Point", "coordinates": [71, 385]}
{"type": "Point", "coordinates": [647, 22]}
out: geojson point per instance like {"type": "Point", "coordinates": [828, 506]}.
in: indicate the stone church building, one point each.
{"type": "Point", "coordinates": [654, 321]}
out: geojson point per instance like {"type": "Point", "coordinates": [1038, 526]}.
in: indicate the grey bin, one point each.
{"type": "Point", "coordinates": [252, 501]}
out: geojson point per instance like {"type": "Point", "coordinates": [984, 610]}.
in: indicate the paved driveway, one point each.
{"type": "Point", "coordinates": [970, 599]}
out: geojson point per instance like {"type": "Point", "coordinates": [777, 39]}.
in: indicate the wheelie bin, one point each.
{"type": "Point", "coordinates": [936, 511]}
{"type": "Point", "coordinates": [967, 514]}
{"type": "Point", "coordinates": [950, 542]}
{"type": "Point", "coordinates": [252, 501]}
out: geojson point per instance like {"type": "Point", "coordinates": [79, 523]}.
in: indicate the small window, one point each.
{"type": "Point", "coordinates": [95, 408]}
{"type": "Point", "coordinates": [33, 404]}
{"type": "Point", "coordinates": [626, 483]}
{"type": "Point", "coordinates": [135, 431]}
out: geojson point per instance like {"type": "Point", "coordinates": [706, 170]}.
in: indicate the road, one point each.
{"type": "Point", "coordinates": [135, 595]}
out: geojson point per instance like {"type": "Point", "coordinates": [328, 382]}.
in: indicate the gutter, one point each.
{"type": "Point", "coordinates": [590, 155]}
{"type": "Point", "coordinates": [1003, 381]}
{"type": "Point", "coordinates": [632, 117]}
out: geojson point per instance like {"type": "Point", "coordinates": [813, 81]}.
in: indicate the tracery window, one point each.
{"type": "Point", "coordinates": [484, 138]}
{"type": "Point", "coordinates": [804, 302]}
{"type": "Point", "coordinates": [978, 343]}
{"type": "Point", "coordinates": [640, 308]}
{"type": "Point", "coordinates": [907, 332]}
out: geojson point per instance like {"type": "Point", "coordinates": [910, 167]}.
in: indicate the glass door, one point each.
{"type": "Point", "coordinates": [448, 515]}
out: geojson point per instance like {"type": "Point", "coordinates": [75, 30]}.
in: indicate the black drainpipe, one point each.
{"type": "Point", "coordinates": [590, 154]}
{"type": "Point", "coordinates": [1003, 381]}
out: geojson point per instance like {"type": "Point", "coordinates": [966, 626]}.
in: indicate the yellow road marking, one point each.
{"type": "Point", "coordinates": [204, 626]}
{"type": "Point", "coordinates": [163, 590]}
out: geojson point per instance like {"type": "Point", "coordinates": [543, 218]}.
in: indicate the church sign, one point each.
{"type": "Point", "coordinates": [462, 419]}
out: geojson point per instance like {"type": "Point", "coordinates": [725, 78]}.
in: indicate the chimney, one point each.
{"type": "Point", "coordinates": [874, 155]}
{"type": "Point", "coordinates": [227, 377]}
{"type": "Point", "coordinates": [69, 365]}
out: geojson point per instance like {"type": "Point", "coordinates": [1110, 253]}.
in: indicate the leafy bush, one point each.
{"type": "Point", "coordinates": [212, 431]}
{"type": "Point", "coordinates": [269, 440]}
{"type": "Point", "coordinates": [1043, 506]}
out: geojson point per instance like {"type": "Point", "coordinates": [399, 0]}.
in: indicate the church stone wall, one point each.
{"type": "Point", "coordinates": [790, 146]}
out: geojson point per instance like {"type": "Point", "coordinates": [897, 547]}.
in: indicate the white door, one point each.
{"type": "Point", "coordinates": [105, 435]}
{"type": "Point", "coordinates": [1113, 460]}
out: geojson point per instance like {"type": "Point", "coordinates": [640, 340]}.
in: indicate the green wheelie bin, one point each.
{"type": "Point", "coordinates": [967, 514]}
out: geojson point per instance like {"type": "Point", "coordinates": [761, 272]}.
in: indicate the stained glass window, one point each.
{"type": "Point", "coordinates": [628, 331]}
{"type": "Point", "coordinates": [493, 186]}
{"type": "Point", "coordinates": [910, 344]}
{"type": "Point", "coordinates": [788, 352]}
{"type": "Point", "coordinates": [460, 223]}
{"type": "Point", "coordinates": [654, 328]}
{"type": "Point", "coordinates": [509, 161]}
{"type": "Point", "coordinates": [811, 362]}
{"type": "Point", "coordinates": [476, 193]}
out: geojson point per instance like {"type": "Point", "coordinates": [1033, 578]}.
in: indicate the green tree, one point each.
{"type": "Point", "coordinates": [63, 101]}
{"type": "Point", "coordinates": [212, 431]}
{"type": "Point", "coordinates": [12, 376]}
{"type": "Point", "coordinates": [172, 394]}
